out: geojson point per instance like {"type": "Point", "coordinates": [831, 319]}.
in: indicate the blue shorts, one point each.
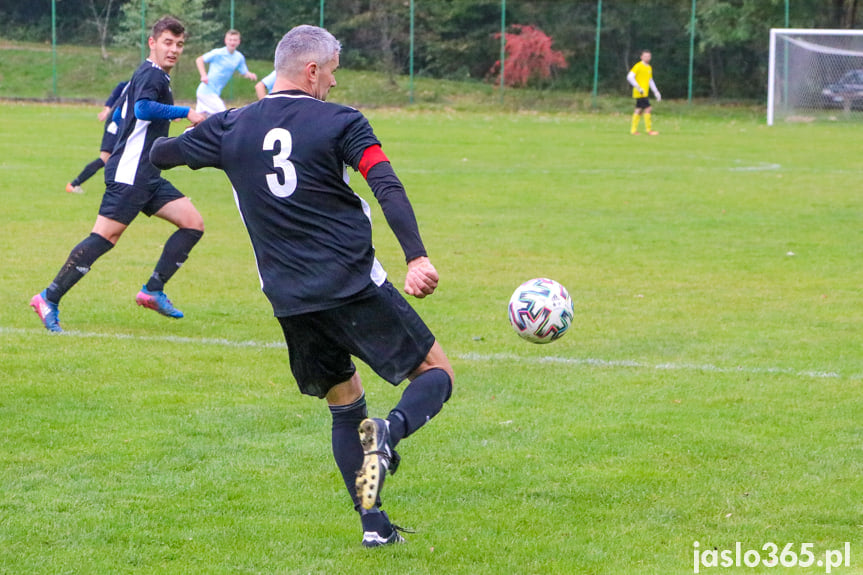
{"type": "Point", "coordinates": [382, 330]}
{"type": "Point", "coordinates": [123, 203]}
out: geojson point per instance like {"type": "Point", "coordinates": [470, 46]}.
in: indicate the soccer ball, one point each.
{"type": "Point", "coordinates": [540, 310]}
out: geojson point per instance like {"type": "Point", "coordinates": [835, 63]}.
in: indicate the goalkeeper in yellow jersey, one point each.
{"type": "Point", "coordinates": [641, 78]}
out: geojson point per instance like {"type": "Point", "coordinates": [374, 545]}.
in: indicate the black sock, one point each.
{"type": "Point", "coordinates": [347, 450]}
{"type": "Point", "coordinates": [88, 171]}
{"type": "Point", "coordinates": [77, 265]}
{"type": "Point", "coordinates": [175, 252]}
{"type": "Point", "coordinates": [374, 520]}
{"type": "Point", "coordinates": [422, 400]}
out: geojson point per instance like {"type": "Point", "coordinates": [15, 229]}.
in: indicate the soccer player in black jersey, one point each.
{"type": "Point", "coordinates": [134, 185]}
{"type": "Point", "coordinates": [286, 157]}
{"type": "Point", "coordinates": [109, 138]}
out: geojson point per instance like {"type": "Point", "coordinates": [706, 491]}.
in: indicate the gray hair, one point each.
{"type": "Point", "coordinates": [302, 45]}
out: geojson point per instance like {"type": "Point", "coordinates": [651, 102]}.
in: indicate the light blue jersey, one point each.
{"type": "Point", "coordinates": [223, 64]}
{"type": "Point", "coordinates": [269, 81]}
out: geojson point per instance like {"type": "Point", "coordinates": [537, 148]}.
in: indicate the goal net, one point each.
{"type": "Point", "coordinates": [815, 74]}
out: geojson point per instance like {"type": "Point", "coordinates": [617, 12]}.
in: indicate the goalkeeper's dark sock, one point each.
{"type": "Point", "coordinates": [77, 265]}
{"type": "Point", "coordinates": [89, 171]}
{"type": "Point", "coordinates": [422, 400]}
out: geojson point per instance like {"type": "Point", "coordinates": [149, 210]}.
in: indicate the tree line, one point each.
{"type": "Point", "coordinates": [459, 39]}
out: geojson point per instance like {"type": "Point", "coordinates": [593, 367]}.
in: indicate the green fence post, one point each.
{"type": "Point", "coordinates": [502, 45]}
{"type": "Point", "coordinates": [54, 46]}
{"type": "Point", "coordinates": [785, 58]}
{"type": "Point", "coordinates": [596, 55]}
{"type": "Point", "coordinates": [231, 81]}
{"type": "Point", "coordinates": [691, 52]}
{"type": "Point", "coordinates": [143, 29]}
{"type": "Point", "coordinates": [322, 14]}
{"type": "Point", "coordinates": [411, 61]}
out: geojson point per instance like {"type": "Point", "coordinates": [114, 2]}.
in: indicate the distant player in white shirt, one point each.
{"type": "Point", "coordinates": [223, 63]}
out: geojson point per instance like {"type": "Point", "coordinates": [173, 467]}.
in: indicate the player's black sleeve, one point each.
{"type": "Point", "coordinates": [166, 153]}
{"type": "Point", "coordinates": [200, 147]}
{"type": "Point", "coordinates": [358, 136]}
{"type": "Point", "coordinates": [397, 209]}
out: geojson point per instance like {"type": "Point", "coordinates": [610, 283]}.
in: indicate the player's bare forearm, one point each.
{"type": "Point", "coordinates": [422, 277]}
{"type": "Point", "coordinates": [202, 69]}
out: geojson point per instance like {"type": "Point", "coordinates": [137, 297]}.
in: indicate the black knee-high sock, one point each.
{"type": "Point", "coordinates": [175, 252]}
{"type": "Point", "coordinates": [77, 265]}
{"type": "Point", "coordinates": [347, 450]}
{"type": "Point", "coordinates": [88, 171]}
{"type": "Point", "coordinates": [422, 400]}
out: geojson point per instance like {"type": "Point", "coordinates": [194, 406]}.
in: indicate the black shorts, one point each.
{"type": "Point", "coordinates": [642, 103]}
{"type": "Point", "coordinates": [382, 330]}
{"type": "Point", "coordinates": [123, 203]}
{"type": "Point", "coordinates": [109, 136]}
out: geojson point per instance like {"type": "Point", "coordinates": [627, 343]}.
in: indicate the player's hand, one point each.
{"type": "Point", "coordinates": [103, 115]}
{"type": "Point", "coordinates": [252, 76]}
{"type": "Point", "coordinates": [642, 92]}
{"type": "Point", "coordinates": [422, 277]}
{"type": "Point", "coordinates": [658, 97]}
{"type": "Point", "coordinates": [205, 79]}
{"type": "Point", "coordinates": [196, 117]}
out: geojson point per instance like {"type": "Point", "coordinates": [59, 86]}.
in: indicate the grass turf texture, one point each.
{"type": "Point", "coordinates": [710, 389]}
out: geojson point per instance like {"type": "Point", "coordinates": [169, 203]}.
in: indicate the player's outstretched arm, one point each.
{"type": "Point", "coordinates": [202, 69]}
{"type": "Point", "coordinates": [150, 110]}
{"type": "Point", "coordinates": [165, 153]}
{"type": "Point", "coordinates": [422, 277]}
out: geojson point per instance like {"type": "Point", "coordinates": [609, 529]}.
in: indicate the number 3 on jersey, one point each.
{"type": "Point", "coordinates": [281, 163]}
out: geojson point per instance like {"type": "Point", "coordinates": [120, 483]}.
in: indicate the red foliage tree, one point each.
{"type": "Point", "coordinates": [528, 56]}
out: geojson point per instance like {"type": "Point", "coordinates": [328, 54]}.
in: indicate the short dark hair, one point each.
{"type": "Point", "coordinates": [170, 24]}
{"type": "Point", "coordinates": [645, 51]}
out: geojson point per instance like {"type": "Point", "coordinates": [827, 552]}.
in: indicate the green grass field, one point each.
{"type": "Point", "coordinates": [709, 391]}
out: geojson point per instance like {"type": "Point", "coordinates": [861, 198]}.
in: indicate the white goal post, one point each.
{"type": "Point", "coordinates": [815, 73]}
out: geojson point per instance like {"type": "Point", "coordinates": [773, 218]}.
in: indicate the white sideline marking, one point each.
{"type": "Point", "coordinates": [165, 338]}
{"type": "Point", "coordinates": [761, 167]}
{"type": "Point", "coordinates": [643, 365]}
{"type": "Point", "coordinates": [591, 362]}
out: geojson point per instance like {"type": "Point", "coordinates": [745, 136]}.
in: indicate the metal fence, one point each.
{"type": "Point", "coordinates": [321, 7]}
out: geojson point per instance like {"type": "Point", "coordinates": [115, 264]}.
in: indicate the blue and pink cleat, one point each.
{"type": "Point", "coordinates": [48, 312]}
{"type": "Point", "coordinates": [158, 301]}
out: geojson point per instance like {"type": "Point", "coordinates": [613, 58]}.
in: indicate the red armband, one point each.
{"type": "Point", "coordinates": [372, 157]}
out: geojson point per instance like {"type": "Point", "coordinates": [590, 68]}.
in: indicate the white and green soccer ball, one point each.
{"type": "Point", "coordinates": [540, 310]}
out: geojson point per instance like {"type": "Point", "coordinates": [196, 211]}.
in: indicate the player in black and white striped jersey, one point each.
{"type": "Point", "coordinates": [134, 185]}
